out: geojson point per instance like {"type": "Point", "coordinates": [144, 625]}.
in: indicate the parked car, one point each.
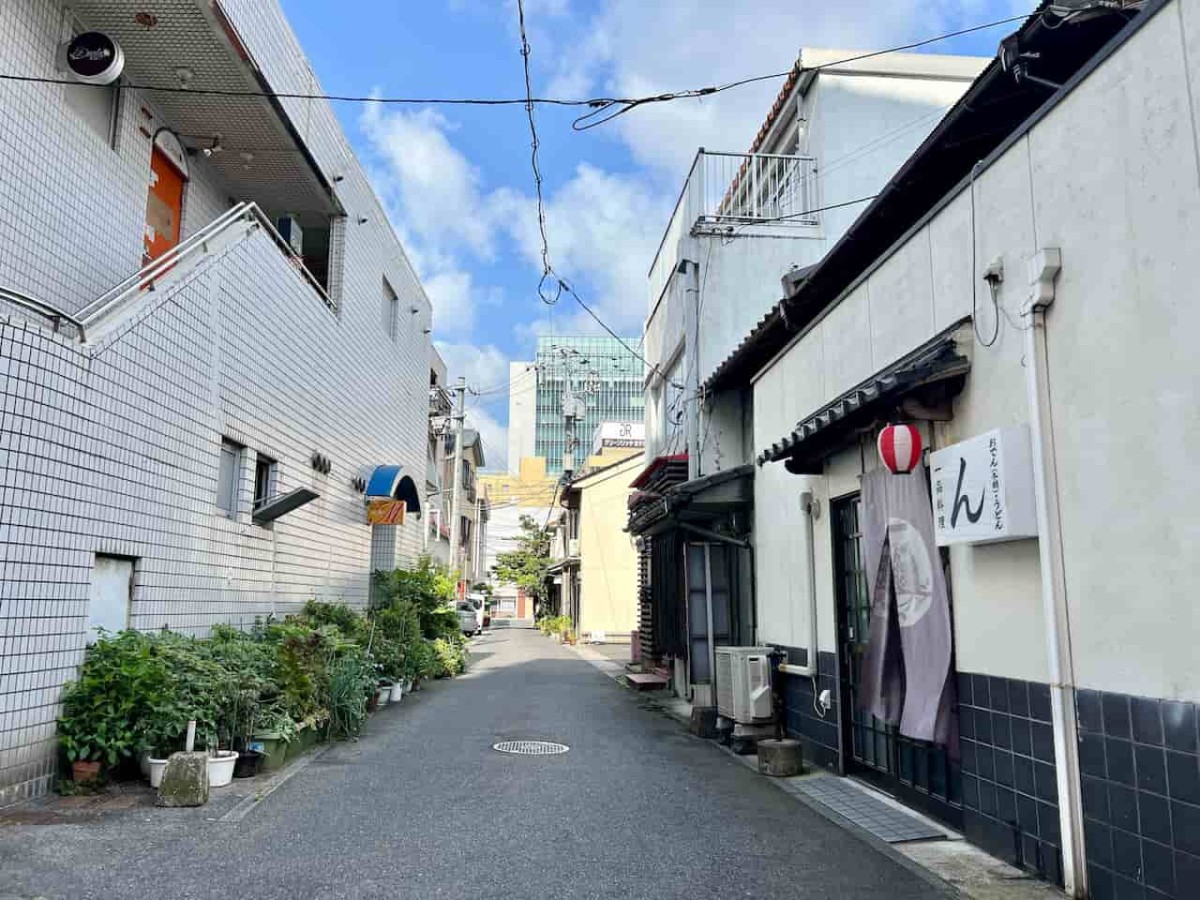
{"type": "Point", "coordinates": [470, 619]}
{"type": "Point", "coordinates": [479, 601]}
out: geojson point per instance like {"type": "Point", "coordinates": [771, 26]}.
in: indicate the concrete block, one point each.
{"type": "Point", "coordinates": [704, 721]}
{"type": "Point", "coordinates": [185, 780]}
{"type": "Point", "coordinates": [780, 759]}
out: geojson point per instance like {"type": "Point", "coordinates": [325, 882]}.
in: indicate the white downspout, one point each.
{"type": "Point", "coordinates": [1043, 269]}
{"type": "Point", "coordinates": [811, 512]}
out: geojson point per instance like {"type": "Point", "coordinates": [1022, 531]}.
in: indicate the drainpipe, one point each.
{"type": "Point", "coordinates": [812, 510]}
{"type": "Point", "coordinates": [692, 379]}
{"type": "Point", "coordinates": [1043, 269]}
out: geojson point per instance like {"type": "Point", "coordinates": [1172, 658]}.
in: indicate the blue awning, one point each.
{"type": "Point", "coordinates": [389, 482]}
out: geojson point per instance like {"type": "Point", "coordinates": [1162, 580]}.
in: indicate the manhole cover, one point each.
{"type": "Point", "coordinates": [531, 748]}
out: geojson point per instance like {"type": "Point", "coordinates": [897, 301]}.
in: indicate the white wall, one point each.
{"type": "Point", "coordinates": [1124, 382]}
{"type": "Point", "coordinates": [860, 127]}
{"type": "Point", "coordinates": [522, 413]}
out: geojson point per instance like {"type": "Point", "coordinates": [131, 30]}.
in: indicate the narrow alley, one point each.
{"type": "Point", "coordinates": [422, 806]}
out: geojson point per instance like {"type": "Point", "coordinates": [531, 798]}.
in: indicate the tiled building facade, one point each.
{"type": "Point", "coordinates": [111, 442]}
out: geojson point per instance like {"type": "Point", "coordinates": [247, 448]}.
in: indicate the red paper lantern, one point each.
{"type": "Point", "coordinates": [900, 448]}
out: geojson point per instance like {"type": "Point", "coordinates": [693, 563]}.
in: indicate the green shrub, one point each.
{"type": "Point", "coordinates": [121, 682]}
{"type": "Point", "coordinates": [449, 658]}
{"type": "Point", "coordinates": [136, 692]}
{"type": "Point", "coordinates": [427, 587]}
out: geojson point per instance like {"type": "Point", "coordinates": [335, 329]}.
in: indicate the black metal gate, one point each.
{"type": "Point", "coordinates": [919, 773]}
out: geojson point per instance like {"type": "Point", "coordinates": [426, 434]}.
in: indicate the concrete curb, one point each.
{"type": "Point", "coordinates": [243, 808]}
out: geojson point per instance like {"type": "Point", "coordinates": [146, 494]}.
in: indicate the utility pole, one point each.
{"type": "Point", "coordinates": [574, 407]}
{"type": "Point", "coordinates": [456, 473]}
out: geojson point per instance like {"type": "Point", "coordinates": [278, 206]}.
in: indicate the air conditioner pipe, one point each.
{"type": "Point", "coordinates": [811, 511]}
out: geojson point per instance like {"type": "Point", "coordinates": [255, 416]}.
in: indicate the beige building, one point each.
{"type": "Point", "coordinates": [600, 565]}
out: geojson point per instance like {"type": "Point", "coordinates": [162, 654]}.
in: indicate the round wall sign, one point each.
{"type": "Point", "coordinates": [95, 58]}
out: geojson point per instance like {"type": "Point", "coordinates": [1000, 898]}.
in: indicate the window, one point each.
{"type": "Point", "coordinates": [391, 309]}
{"type": "Point", "coordinates": [264, 479]}
{"type": "Point", "coordinates": [465, 531]}
{"type": "Point", "coordinates": [228, 475]}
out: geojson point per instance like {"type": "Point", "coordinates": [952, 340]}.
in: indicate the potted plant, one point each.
{"type": "Point", "coordinates": [273, 731]}
{"type": "Point", "coordinates": [221, 764]}
{"type": "Point", "coordinates": [383, 693]}
{"type": "Point", "coordinates": [118, 681]}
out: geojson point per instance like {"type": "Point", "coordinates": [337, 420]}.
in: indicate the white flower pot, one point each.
{"type": "Point", "coordinates": [382, 695]}
{"type": "Point", "coordinates": [397, 692]}
{"type": "Point", "coordinates": [220, 767]}
{"type": "Point", "coordinates": [155, 769]}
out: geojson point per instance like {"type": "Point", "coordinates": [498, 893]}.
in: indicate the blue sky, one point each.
{"type": "Point", "coordinates": [457, 181]}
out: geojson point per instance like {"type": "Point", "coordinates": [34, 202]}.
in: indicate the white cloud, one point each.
{"type": "Point", "coordinates": [485, 368]}
{"type": "Point", "coordinates": [604, 229]}
{"type": "Point", "coordinates": [451, 293]}
{"type": "Point", "coordinates": [633, 48]}
{"type": "Point", "coordinates": [436, 189]}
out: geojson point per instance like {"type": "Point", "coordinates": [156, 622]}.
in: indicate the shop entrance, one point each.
{"type": "Point", "coordinates": [916, 772]}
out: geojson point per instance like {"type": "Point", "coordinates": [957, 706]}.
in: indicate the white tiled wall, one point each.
{"type": "Point", "coordinates": [113, 447]}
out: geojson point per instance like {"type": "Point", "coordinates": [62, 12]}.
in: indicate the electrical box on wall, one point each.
{"type": "Point", "coordinates": [983, 489]}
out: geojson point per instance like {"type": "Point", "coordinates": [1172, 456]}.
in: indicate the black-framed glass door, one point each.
{"type": "Point", "coordinates": [917, 772]}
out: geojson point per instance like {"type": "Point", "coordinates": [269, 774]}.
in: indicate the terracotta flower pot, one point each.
{"type": "Point", "coordinates": [85, 771]}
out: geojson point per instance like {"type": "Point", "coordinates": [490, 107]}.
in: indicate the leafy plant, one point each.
{"type": "Point", "coordinates": [449, 658]}
{"type": "Point", "coordinates": [351, 680]}
{"type": "Point", "coordinates": [120, 681]}
{"type": "Point", "coordinates": [528, 567]}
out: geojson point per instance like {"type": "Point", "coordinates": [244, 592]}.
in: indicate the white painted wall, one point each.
{"type": "Point", "coordinates": [1124, 380]}
{"type": "Point", "coordinates": [522, 413]}
{"type": "Point", "coordinates": [861, 123]}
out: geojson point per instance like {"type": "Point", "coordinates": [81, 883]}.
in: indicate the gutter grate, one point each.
{"type": "Point", "coordinates": [530, 748]}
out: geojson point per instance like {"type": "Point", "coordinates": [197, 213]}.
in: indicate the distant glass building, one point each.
{"type": "Point", "coordinates": [600, 370]}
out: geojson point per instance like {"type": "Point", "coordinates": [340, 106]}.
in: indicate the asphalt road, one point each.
{"type": "Point", "coordinates": [423, 807]}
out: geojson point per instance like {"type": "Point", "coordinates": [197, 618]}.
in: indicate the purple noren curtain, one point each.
{"type": "Point", "coordinates": [906, 676]}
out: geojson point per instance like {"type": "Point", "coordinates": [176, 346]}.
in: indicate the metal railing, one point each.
{"type": "Point", "coordinates": [756, 188]}
{"type": "Point", "coordinates": [43, 309]}
{"type": "Point", "coordinates": [724, 191]}
{"type": "Point", "coordinates": [187, 254]}
{"type": "Point", "coordinates": [439, 401]}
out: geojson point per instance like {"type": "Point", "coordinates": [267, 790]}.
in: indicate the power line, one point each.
{"type": "Point", "coordinates": [537, 170]}
{"type": "Point", "coordinates": [599, 105]}
{"type": "Point", "coordinates": [606, 110]}
{"type": "Point", "coordinates": [333, 98]}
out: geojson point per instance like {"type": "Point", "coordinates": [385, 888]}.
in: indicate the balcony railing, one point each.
{"type": "Point", "coordinates": [726, 193]}
{"type": "Point", "coordinates": [755, 188]}
{"type": "Point", "coordinates": [439, 401]}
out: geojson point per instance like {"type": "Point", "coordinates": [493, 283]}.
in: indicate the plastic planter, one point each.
{"type": "Point", "coordinates": [273, 748]}
{"type": "Point", "coordinates": [220, 767]}
{"type": "Point", "coordinates": [248, 763]}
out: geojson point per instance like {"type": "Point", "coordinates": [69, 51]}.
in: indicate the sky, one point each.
{"type": "Point", "coordinates": [457, 181]}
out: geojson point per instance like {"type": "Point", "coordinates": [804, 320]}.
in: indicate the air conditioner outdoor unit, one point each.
{"type": "Point", "coordinates": [744, 684]}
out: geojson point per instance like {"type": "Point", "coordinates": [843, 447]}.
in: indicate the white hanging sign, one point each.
{"type": "Point", "coordinates": [983, 489]}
